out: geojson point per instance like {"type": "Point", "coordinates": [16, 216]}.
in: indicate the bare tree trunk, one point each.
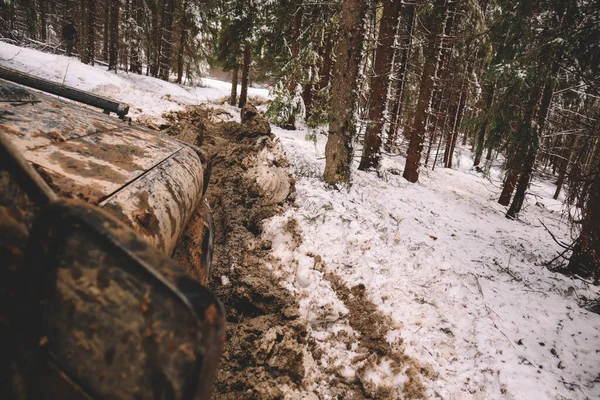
{"type": "Point", "coordinates": [565, 163]}
{"type": "Point", "coordinates": [327, 62]}
{"type": "Point", "coordinates": [91, 39]}
{"type": "Point", "coordinates": [530, 135]}
{"type": "Point", "coordinates": [489, 97]}
{"type": "Point", "coordinates": [182, 42]}
{"type": "Point", "coordinates": [167, 44]}
{"type": "Point", "coordinates": [432, 54]}
{"type": "Point", "coordinates": [155, 42]}
{"type": "Point", "coordinates": [540, 93]}
{"type": "Point", "coordinates": [135, 64]}
{"type": "Point", "coordinates": [585, 259]}
{"type": "Point", "coordinates": [509, 185]}
{"type": "Point", "coordinates": [43, 20]}
{"type": "Point", "coordinates": [371, 155]}
{"type": "Point", "coordinates": [398, 104]}
{"type": "Point", "coordinates": [83, 33]}
{"type": "Point", "coordinates": [234, 84]}
{"type": "Point", "coordinates": [113, 53]}
{"type": "Point", "coordinates": [295, 50]}
{"type": "Point", "coordinates": [245, 73]}
{"type": "Point", "coordinates": [342, 128]}
{"type": "Point", "coordinates": [106, 34]}
{"type": "Point", "coordinates": [462, 102]}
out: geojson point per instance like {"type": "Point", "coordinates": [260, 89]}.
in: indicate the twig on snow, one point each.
{"type": "Point", "coordinates": [487, 308]}
{"type": "Point", "coordinates": [561, 244]}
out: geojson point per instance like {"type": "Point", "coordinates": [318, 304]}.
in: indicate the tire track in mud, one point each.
{"type": "Point", "coordinates": [269, 350]}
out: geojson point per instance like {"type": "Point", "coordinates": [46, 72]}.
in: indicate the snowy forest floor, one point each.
{"type": "Point", "coordinates": [373, 291]}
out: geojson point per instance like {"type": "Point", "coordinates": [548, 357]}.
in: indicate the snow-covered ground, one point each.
{"type": "Point", "coordinates": [147, 96]}
{"type": "Point", "coordinates": [465, 287]}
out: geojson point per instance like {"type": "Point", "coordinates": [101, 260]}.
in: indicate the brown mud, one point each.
{"type": "Point", "coordinates": [269, 351]}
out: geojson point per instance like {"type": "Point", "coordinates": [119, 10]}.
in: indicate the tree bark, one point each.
{"type": "Point", "coordinates": [342, 128]}
{"type": "Point", "coordinates": [43, 20]}
{"type": "Point", "coordinates": [155, 42]}
{"type": "Point", "coordinates": [585, 259]}
{"type": "Point", "coordinates": [565, 163]}
{"type": "Point", "coordinates": [113, 52]}
{"type": "Point", "coordinates": [417, 136]}
{"type": "Point", "coordinates": [106, 34]}
{"type": "Point", "coordinates": [327, 60]}
{"type": "Point", "coordinates": [529, 133]}
{"type": "Point", "coordinates": [91, 33]}
{"type": "Point", "coordinates": [135, 64]}
{"type": "Point", "coordinates": [83, 32]}
{"type": "Point", "coordinates": [234, 84]}
{"type": "Point", "coordinates": [182, 42]}
{"type": "Point", "coordinates": [460, 112]}
{"type": "Point", "coordinates": [245, 74]}
{"type": "Point", "coordinates": [544, 97]}
{"type": "Point", "coordinates": [167, 44]}
{"type": "Point", "coordinates": [371, 155]}
{"type": "Point", "coordinates": [295, 50]}
{"type": "Point", "coordinates": [398, 103]}
{"type": "Point", "coordinates": [489, 98]}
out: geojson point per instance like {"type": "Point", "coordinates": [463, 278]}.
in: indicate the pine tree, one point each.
{"type": "Point", "coordinates": [114, 35]}
{"type": "Point", "coordinates": [338, 150]}
{"type": "Point", "coordinates": [432, 52]}
{"type": "Point", "coordinates": [371, 155]}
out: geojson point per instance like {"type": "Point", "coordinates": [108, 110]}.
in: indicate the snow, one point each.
{"type": "Point", "coordinates": [148, 97]}
{"type": "Point", "coordinates": [465, 287]}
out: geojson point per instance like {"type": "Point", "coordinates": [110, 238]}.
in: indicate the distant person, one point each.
{"type": "Point", "coordinates": [69, 33]}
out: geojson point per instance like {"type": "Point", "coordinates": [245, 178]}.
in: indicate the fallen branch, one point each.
{"type": "Point", "coordinates": [487, 308]}
{"type": "Point", "coordinates": [561, 244]}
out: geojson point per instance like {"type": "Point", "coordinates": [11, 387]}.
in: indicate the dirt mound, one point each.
{"type": "Point", "coordinates": [263, 352]}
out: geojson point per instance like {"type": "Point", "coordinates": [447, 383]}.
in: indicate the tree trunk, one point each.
{"type": "Point", "coordinates": [83, 32]}
{"type": "Point", "coordinates": [460, 112]}
{"type": "Point", "coordinates": [113, 52]}
{"type": "Point", "coordinates": [307, 98]}
{"type": "Point", "coordinates": [533, 134]}
{"type": "Point", "coordinates": [565, 163]}
{"type": "Point", "coordinates": [182, 41]}
{"type": "Point", "coordinates": [155, 41]}
{"type": "Point", "coordinates": [398, 103]}
{"type": "Point", "coordinates": [43, 20]}
{"type": "Point", "coordinates": [167, 44]}
{"type": "Point", "coordinates": [234, 84]}
{"type": "Point", "coordinates": [371, 155]}
{"type": "Point", "coordinates": [135, 64]}
{"type": "Point", "coordinates": [432, 53]}
{"type": "Point", "coordinates": [489, 97]}
{"type": "Point", "coordinates": [344, 92]}
{"type": "Point", "coordinates": [91, 33]}
{"type": "Point", "coordinates": [245, 73]}
{"type": "Point", "coordinates": [326, 64]}
{"type": "Point", "coordinates": [509, 185]}
{"type": "Point", "coordinates": [295, 50]}
{"type": "Point", "coordinates": [585, 259]}
{"type": "Point", "coordinates": [530, 135]}
{"type": "Point", "coordinates": [106, 34]}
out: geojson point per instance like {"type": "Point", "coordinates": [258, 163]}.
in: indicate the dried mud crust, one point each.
{"type": "Point", "coordinates": [269, 350]}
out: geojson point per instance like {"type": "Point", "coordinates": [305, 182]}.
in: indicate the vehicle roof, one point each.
{"type": "Point", "coordinates": [148, 180]}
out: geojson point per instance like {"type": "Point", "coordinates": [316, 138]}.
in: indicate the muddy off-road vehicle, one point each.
{"type": "Point", "coordinates": [92, 306]}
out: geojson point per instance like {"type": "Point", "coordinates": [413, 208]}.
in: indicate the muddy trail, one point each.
{"type": "Point", "coordinates": [269, 352]}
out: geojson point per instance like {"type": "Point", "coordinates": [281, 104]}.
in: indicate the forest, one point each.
{"type": "Point", "coordinates": [517, 81]}
{"type": "Point", "coordinates": [435, 166]}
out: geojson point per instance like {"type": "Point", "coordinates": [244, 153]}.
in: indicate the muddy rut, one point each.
{"type": "Point", "coordinates": [268, 347]}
